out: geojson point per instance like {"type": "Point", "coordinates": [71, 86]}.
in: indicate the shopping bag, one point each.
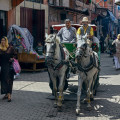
{"type": "Point", "coordinates": [16, 66]}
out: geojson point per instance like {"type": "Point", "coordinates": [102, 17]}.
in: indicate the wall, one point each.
{"type": "Point", "coordinates": [66, 3]}
{"type": "Point", "coordinates": [81, 6]}
{"type": "Point", "coordinates": [35, 6]}
{"type": "Point", "coordinates": [108, 4]}
{"type": "Point", "coordinates": [11, 17]}
{"type": "Point", "coordinates": [16, 2]}
{"type": "Point", "coordinates": [5, 5]}
{"type": "Point", "coordinates": [45, 2]}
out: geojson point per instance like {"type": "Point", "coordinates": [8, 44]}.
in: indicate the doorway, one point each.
{"type": "Point", "coordinates": [34, 21]}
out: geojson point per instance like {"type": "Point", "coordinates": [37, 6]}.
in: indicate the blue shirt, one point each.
{"type": "Point", "coordinates": [67, 35]}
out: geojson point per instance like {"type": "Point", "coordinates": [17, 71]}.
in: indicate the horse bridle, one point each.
{"type": "Point", "coordinates": [53, 48]}
{"type": "Point", "coordinates": [83, 51]}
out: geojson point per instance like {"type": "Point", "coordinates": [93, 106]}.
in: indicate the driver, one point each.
{"type": "Point", "coordinates": [68, 39]}
{"type": "Point", "coordinates": [85, 29]}
{"type": "Point", "coordinates": [67, 34]}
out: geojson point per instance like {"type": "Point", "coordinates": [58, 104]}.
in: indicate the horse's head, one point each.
{"type": "Point", "coordinates": [81, 48]}
{"type": "Point", "coordinates": [50, 46]}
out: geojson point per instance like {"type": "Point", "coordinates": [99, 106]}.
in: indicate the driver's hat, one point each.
{"type": "Point", "coordinates": [85, 19]}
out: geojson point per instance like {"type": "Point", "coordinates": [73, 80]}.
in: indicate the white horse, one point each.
{"type": "Point", "coordinates": [87, 60]}
{"type": "Point", "coordinates": [57, 59]}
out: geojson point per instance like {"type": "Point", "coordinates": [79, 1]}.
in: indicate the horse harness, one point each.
{"type": "Point", "coordinates": [62, 62]}
{"type": "Point", "coordinates": [90, 65]}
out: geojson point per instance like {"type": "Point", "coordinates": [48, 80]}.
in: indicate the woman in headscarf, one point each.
{"type": "Point", "coordinates": [116, 43]}
{"type": "Point", "coordinates": [6, 76]}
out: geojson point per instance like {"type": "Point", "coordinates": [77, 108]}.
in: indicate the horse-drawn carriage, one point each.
{"type": "Point", "coordinates": [70, 47]}
{"type": "Point", "coordinates": [61, 57]}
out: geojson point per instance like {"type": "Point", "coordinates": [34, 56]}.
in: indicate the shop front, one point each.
{"type": "Point", "coordinates": [3, 23]}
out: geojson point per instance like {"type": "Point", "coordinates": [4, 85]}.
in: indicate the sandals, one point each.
{"type": "Point", "coordinates": [5, 97]}
{"type": "Point", "coordinates": [9, 100]}
{"type": "Point", "coordinates": [9, 97]}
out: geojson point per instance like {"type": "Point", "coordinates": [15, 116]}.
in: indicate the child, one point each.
{"type": "Point", "coordinates": [39, 49]}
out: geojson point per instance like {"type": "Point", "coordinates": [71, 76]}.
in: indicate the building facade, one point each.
{"type": "Point", "coordinates": [59, 10]}
{"type": "Point", "coordinates": [5, 6]}
{"type": "Point", "coordinates": [107, 17]}
{"type": "Point", "coordinates": [32, 14]}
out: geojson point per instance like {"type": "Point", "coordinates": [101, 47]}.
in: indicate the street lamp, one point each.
{"type": "Point", "coordinates": [117, 2]}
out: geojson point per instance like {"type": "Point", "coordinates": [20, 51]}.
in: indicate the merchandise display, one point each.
{"type": "Point", "coordinates": [22, 40]}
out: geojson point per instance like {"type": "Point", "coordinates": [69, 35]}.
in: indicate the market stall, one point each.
{"type": "Point", "coordinates": [22, 40]}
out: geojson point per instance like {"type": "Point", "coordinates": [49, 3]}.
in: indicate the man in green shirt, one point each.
{"type": "Point", "coordinates": [39, 49]}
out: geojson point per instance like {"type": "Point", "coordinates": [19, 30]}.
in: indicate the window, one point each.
{"type": "Point", "coordinates": [62, 16]}
{"type": "Point", "coordinates": [37, 1]}
{"type": "Point", "coordinates": [3, 23]}
{"type": "Point", "coordinates": [52, 2]}
{"type": "Point", "coordinates": [60, 2]}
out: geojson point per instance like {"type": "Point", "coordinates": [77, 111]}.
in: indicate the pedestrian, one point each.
{"type": "Point", "coordinates": [116, 43]}
{"type": "Point", "coordinates": [102, 43]}
{"type": "Point", "coordinates": [39, 48]}
{"type": "Point", "coordinates": [7, 74]}
{"type": "Point", "coordinates": [107, 43]}
{"type": "Point", "coordinates": [111, 47]}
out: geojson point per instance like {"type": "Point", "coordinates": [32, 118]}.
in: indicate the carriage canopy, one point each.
{"type": "Point", "coordinates": [58, 27]}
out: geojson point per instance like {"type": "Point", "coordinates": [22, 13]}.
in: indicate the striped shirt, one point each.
{"type": "Point", "coordinates": [67, 35]}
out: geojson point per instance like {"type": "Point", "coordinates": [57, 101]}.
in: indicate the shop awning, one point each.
{"type": "Point", "coordinates": [112, 17]}
{"type": "Point", "coordinates": [104, 12]}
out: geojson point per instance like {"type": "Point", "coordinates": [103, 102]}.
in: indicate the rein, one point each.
{"type": "Point", "coordinates": [89, 66]}
{"type": "Point", "coordinates": [61, 63]}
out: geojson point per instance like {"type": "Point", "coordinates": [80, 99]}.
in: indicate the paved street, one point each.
{"type": "Point", "coordinates": [31, 90]}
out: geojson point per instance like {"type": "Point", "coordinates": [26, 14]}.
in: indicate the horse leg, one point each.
{"type": "Point", "coordinates": [96, 82]}
{"type": "Point", "coordinates": [61, 87]}
{"type": "Point", "coordinates": [93, 88]}
{"type": "Point", "coordinates": [91, 92]}
{"type": "Point", "coordinates": [54, 91]}
{"type": "Point", "coordinates": [78, 95]}
{"type": "Point", "coordinates": [88, 94]}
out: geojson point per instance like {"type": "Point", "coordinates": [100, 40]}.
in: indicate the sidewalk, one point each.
{"type": "Point", "coordinates": [31, 90]}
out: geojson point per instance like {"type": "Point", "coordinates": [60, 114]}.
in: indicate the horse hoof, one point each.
{"type": "Point", "coordinates": [77, 112]}
{"type": "Point", "coordinates": [89, 108]}
{"type": "Point", "coordinates": [59, 108]}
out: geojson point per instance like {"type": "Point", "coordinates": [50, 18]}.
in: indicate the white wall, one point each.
{"type": "Point", "coordinates": [5, 5]}
{"type": "Point", "coordinates": [36, 6]}
{"type": "Point", "coordinates": [66, 3]}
